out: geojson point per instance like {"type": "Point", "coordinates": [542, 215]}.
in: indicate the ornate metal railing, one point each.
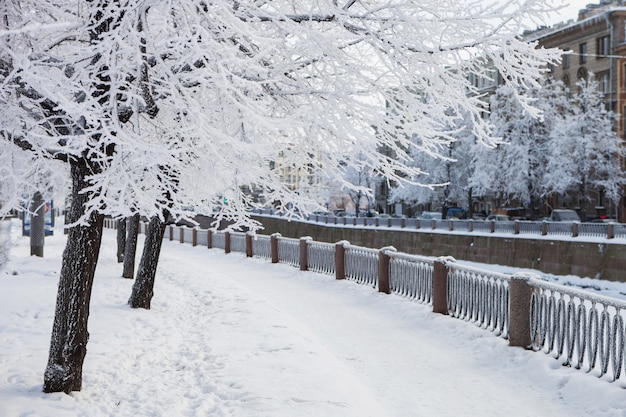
{"type": "Point", "coordinates": [479, 296]}
{"type": "Point", "coordinates": [411, 276]}
{"type": "Point", "coordinates": [238, 242]}
{"type": "Point", "coordinates": [321, 257]}
{"type": "Point", "coordinates": [218, 240]}
{"type": "Point", "coordinates": [261, 246]}
{"type": "Point", "coordinates": [289, 251]}
{"type": "Point", "coordinates": [584, 330]}
{"type": "Point", "coordinates": [594, 230]}
{"type": "Point", "coordinates": [361, 265]}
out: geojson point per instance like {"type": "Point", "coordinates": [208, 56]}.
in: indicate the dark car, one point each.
{"type": "Point", "coordinates": [563, 215]}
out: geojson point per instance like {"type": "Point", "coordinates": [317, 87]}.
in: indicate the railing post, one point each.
{"type": "Point", "coordinates": [433, 224]}
{"type": "Point", "coordinates": [226, 242]}
{"type": "Point", "coordinates": [520, 293]}
{"type": "Point", "coordinates": [610, 231]}
{"type": "Point", "coordinates": [209, 239]}
{"type": "Point", "coordinates": [440, 286]}
{"type": "Point", "coordinates": [470, 225]}
{"type": "Point", "coordinates": [402, 223]}
{"type": "Point", "coordinates": [516, 227]}
{"type": "Point", "coordinates": [492, 226]}
{"type": "Point", "coordinates": [304, 253]}
{"type": "Point", "coordinates": [249, 244]}
{"type": "Point", "coordinates": [450, 225]}
{"type": "Point", "coordinates": [181, 234]}
{"type": "Point", "coordinates": [383, 269]}
{"type": "Point", "coordinates": [194, 237]}
{"type": "Point", "coordinates": [544, 228]}
{"type": "Point", "coordinates": [340, 259]}
{"type": "Point", "coordinates": [418, 223]}
{"type": "Point", "coordinates": [171, 232]}
{"type": "Point", "coordinates": [274, 247]}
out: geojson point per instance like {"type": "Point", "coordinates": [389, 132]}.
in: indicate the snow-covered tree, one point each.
{"type": "Point", "coordinates": [515, 169]}
{"type": "Point", "coordinates": [585, 152]}
{"type": "Point", "coordinates": [157, 105]}
{"type": "Point", "coordinates": [446, 172]}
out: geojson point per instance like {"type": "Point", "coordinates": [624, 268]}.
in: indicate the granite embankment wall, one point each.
{"type": "Point", "coordinates": [605, 259]}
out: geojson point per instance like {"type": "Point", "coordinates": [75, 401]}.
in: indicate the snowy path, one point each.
{"type": "Point", "coordinates": [230, 336]}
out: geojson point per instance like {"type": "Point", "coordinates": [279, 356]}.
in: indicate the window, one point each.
{"type": "Point", "coordinates": [581, 74]}
{"type": "Point", "coordinates": [583, 52]}
{"type": "Point", "coordinates": [604, 82]}
{"type": "Point", "coordinates": [602, 47]}
{"type": "Point", "coordinates": [566, 56]}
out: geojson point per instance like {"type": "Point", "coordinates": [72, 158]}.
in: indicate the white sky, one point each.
{"type": "Point", "coordinates": [231, 336]}
{"type": "Point", "coordinates": [569, 11]}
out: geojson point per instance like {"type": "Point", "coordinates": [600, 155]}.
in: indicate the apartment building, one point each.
{"type": "Point", "coordinates": [596, 43]}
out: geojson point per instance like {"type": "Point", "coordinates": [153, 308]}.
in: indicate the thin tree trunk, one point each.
{"type": "Point", "coordinates": [132, 230]}
{"type": "Point", "coordinates": [68, 344]}
{"type": "Point", "coordinates": [143, 288]}
{"type": "Point", "coordinates": [121, 240]}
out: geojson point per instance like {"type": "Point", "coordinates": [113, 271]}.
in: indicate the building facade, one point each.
{"type": "Point", "coordinates": [596, 44]}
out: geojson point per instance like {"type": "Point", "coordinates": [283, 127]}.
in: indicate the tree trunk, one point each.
{"type": "Point", "coordinates": [143, 289]}
{"type": "Point", "coordinates": [121, 240]}
{"type": "Point", "coordinates": [132, 230]}
{"type": "Point", "coordinates": [68, 344]}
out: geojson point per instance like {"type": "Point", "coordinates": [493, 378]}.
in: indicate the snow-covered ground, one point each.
{"type": "Point", "coordinates": [230, 336]}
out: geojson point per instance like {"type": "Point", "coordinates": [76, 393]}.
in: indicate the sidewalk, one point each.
{"type": "Point", "coordinates": [230, 336]}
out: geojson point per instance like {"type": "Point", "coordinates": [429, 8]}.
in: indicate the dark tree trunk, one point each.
{"type": "Point", "coordinates": [68, 344]}
{"type": "Point", "coordinates": [132, 230]}
{"type": "Point", "coordinates": [143, 288]}
{"type": "Point", "coordinates": [121, 240]}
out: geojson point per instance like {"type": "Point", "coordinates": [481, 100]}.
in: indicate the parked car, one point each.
{"type": "Point", "coordinates": [429, 215]}
{"type": "Point", "coordinates": [563, 215]}
{"type": "Point", "coordinates": [499, 217]}
{"type": "Point", "coordinates": [456, 213]}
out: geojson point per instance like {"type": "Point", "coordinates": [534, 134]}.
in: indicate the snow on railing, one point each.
{"type": "Point", "coordinates": [261, 246]}
{"type": "Point", "coordinates": [289, 251]}
{"type": "Point", "coordinates": [584, 330]}
{"type": "Point", "coordinates": [411, 276]}
{"type": "Point", "coordinates": [479, 296]}
{"type": "Point", "coordinates": [361, 264]}
{"type": "Point", "coordinates": [321, 257]}
{"type": "Point", "coordinates": [238, 242]}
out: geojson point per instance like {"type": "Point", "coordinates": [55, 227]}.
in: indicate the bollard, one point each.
{"type": "Point", "coordinates": [340, 259]}
{"type": "Point", "coordinates": [249, 245]}
{"type": "Point", "coordinates": [274, 247]}
{"type": "Point", "coordinates": [520, 293]}
{"type": "Point", "coordinates": [610, 231]}
{"type": "Point", "coordinates": [383, 269]}
{"type": "Point", "coordinates": [304, 253]}
{"type": "Point", "coordinates": [226, 242]}
{"type": "Point", "coordinates": [37, 225]}
{"type": "Point", "coordinates": [440, 286]}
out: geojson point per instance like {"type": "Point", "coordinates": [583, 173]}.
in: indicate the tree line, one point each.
{"type": "Point", "coordinates": [567, 155]}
